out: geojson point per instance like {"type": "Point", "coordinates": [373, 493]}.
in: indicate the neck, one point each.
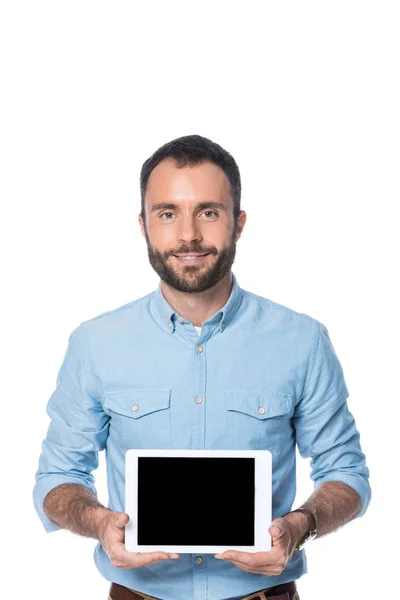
{"type": "Point", "coordinates": [197, 307]}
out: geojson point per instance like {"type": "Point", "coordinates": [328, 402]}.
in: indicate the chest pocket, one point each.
{"type": "Point", "coordinates": [258, 420]}
{"type": "Point", "coordinates": [140, 418]}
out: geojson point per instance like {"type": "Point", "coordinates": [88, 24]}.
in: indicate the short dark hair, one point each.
{"type": "Point", "coordinates": [193, 150]}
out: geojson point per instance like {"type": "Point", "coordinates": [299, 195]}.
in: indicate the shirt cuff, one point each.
{"type": "Point", "coordinates": [359, 483]}
{"type": "Point", "coordinates": [44, 486]}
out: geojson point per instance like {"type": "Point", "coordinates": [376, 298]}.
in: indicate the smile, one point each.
{"type": "Point", "coordinates": [191, 258]}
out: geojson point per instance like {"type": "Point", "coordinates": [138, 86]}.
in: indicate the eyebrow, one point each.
{"type": "Point", "coordinates": [199, 206]}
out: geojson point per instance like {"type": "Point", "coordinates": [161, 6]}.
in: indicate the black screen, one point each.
{"type": "Point", "coordinates": [196, 501]}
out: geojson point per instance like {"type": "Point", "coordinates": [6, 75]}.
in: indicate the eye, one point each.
{"type": "Point", "coordinates": [166, 213]}
{"type": "Point", "coordinates": [210, 211]}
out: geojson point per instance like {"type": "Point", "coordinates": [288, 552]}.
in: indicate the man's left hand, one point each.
{"type": "Point", "coordinates": [283, 540]}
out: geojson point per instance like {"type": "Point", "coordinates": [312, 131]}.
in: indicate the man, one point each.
{"type": "Point", "coordinates": [199, 363]}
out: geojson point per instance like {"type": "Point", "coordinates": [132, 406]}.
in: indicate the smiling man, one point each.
{"type": "Point", "coordinates": [199, 363]}
{"type": "Point", "coordinates": [191, 238]}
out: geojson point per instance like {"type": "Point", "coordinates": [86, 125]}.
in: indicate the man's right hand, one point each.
{"type": "Point", "coordinates": [111, 530]}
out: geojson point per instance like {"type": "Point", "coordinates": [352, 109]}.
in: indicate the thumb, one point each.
{"type": "Point", "coordinates": [277, 529]}
{"type": "Point", "coordinates": [121, 519]}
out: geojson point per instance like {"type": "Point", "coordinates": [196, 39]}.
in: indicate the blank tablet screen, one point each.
{"type": "Point", "coordinates": [196, 501]}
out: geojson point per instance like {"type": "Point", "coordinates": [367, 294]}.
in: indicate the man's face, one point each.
{"type": "Point", "coordinates": [190, 210]}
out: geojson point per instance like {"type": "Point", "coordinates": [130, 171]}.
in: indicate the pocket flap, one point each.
{"type": "Point", "coordinates": [261, 405]}
{"type": "Point", "coordinates": [137, 403]}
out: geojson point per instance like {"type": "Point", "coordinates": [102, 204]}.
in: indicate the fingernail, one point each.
{"type": "Point", "coordinates": [174, 555]}
{"type": "Point", "coordinates": [217, 555]}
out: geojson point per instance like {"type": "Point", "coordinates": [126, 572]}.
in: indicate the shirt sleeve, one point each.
{"type": "Point", "coordinates": [78, 428]}
{"type": "Point", "coordinates": [325, 428]}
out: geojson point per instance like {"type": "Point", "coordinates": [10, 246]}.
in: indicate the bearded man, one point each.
{"type": "Point", "coordinates": [199, 363]}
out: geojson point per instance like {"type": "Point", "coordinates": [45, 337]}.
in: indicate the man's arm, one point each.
{"type": "Point", "coordinates": [64, 495]}
{"type": "Point", "coordinates": [78, 428]}
{"type": "Point", "coordinates": [325, 431]}
{"type": "Point", "coordinates": [74, 507]}
{"type": "Point", "coordinates": [333, 504]}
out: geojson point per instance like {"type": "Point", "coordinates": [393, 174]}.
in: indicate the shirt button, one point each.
{"type": "Point", "coordinates": [169, 324]}
{"type": "Point", "coordinates": [135, 407]}
{"type": "Point", "coordinates": [222, 324]}
{"type": "Point", "coordinates": [180, 320]}
{"type": "Point", "coordinates": [199, 348]}
{"type": "Point", "coordinates": [198, 400]}
{"type": "Point", "coordinates": [261, 410]}
{"type": "Point", "coordinates": [199, 560]}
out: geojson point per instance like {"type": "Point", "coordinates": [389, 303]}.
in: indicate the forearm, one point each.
{"type": "Point", "coordinates": [76, 508]}
{"type": "Point", "coordinates": [333, 503]}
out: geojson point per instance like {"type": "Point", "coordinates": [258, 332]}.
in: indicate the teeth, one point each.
{"type": "Point", "coordinates": [190, 257]}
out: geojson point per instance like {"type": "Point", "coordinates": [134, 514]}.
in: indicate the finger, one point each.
{"type": "Point", "coordinates": [138, 559]}
{"type": "Point", "coordinates": [245, 557]}
{"type": "Point", "coordinates": [250, 559]}
{"type": "Point", "coordinates": [143, 559]}
{"type": "Point", "coordinates": [248, 568]}
{"type": "Point", "coordinates": [245, 565]}
{"type": "Point", "coordinates": [263, 565]}
{"type": "Point", "coordinates": [234, 555]}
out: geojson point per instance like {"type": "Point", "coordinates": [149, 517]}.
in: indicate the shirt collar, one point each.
{"type": "Point", "coordinates": [167, 317]}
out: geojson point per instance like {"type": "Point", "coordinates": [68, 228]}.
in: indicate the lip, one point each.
{"type": "Point", "coordinates": [197, 258]}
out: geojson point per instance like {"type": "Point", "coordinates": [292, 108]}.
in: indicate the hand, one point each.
{"type": "Point", "coordinates": [284, 536]}
{"type": "Point", "coordinates": [112, 537]}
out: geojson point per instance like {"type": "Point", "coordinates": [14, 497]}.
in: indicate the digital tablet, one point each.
{"type": "Point", "coordinates": [202, 501]}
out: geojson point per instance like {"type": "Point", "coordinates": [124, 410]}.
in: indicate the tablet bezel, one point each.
{"type": "Point", "coordinates": [262, 498]}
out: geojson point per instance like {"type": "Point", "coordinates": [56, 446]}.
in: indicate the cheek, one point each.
{"type": "Point", "coordinates": [162, 238]}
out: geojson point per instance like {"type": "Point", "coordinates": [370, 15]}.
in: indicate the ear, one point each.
{"type": "Point", "coordinates": [240, 223]}
{"type": "Point", "coordinates": [141, 223]}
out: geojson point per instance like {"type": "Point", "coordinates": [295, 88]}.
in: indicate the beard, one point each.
{"type": "Point", "coordinates": [192, 278]}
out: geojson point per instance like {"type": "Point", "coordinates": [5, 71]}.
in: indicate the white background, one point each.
{"type": "Point", "coordinates": [305, 95]}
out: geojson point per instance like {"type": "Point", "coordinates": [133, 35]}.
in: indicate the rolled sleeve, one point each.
{"type": "Point", "coordinates": [325, 428]}
{"type": "Point", "coordinates": [78, 428]}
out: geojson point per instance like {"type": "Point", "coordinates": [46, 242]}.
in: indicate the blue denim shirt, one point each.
{"type": "Point", "coordinates": [259, 376]}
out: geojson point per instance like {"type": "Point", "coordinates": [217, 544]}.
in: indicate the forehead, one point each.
{"type": "Point", "coordinates": [206, 181]}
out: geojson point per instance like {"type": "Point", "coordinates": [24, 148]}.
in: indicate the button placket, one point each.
{"type": "Point", "coordinates": [199, 397]}
{"type": "Point", "coordinates": [199, 578]}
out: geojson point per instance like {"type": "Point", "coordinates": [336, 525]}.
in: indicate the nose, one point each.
{"type": "Point", "coordinates": [189, 229]}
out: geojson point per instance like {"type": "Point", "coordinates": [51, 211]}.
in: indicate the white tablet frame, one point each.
{"type": "Point", "coordinates": [262, 499]}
